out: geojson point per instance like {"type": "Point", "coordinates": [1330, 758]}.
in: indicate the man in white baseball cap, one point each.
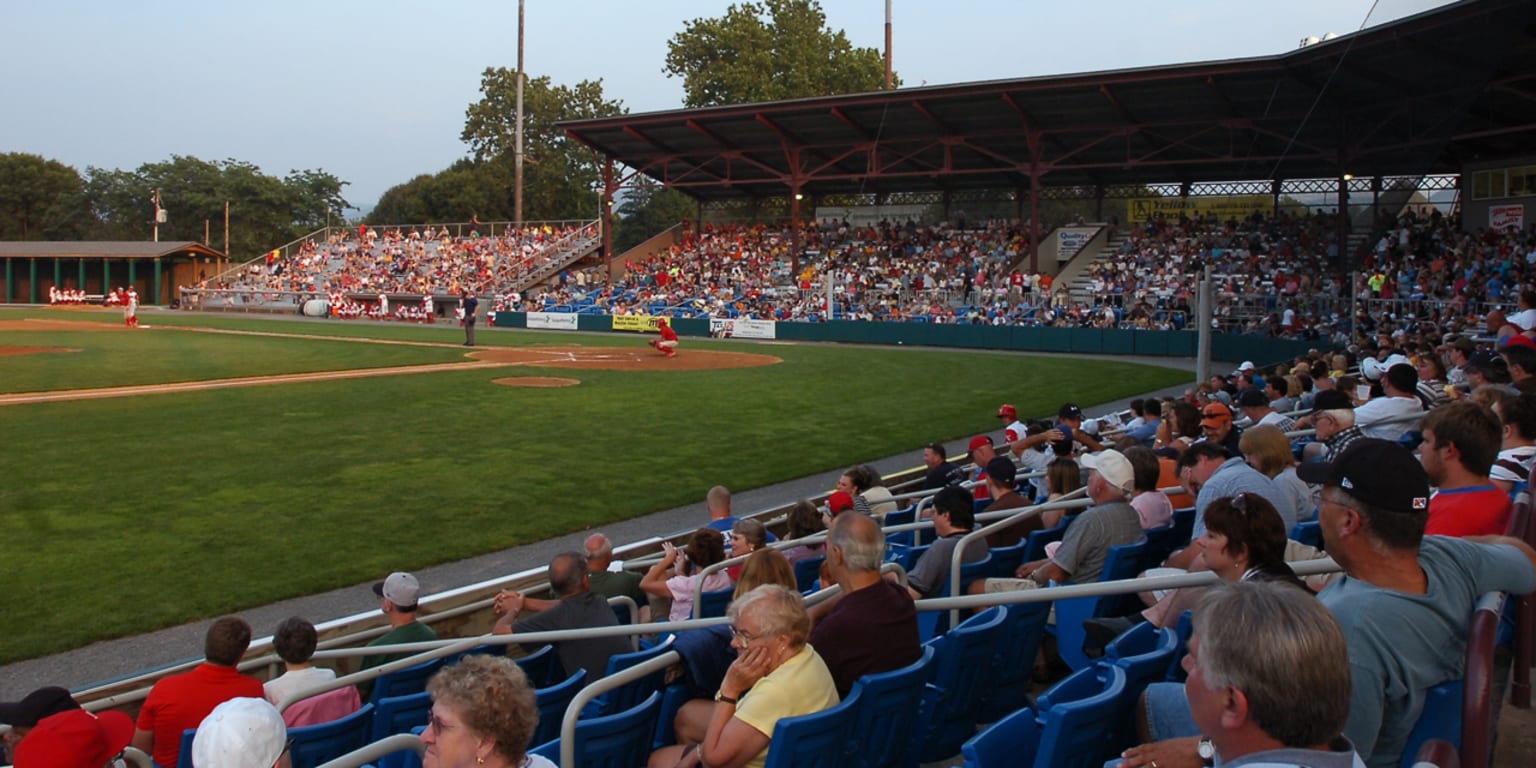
{"type": "Point", "coordinates": [242, 733]}
{"type": "Point", "coordinates": [398, 597]}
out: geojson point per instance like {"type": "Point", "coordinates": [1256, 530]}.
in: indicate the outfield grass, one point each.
{"type": "Point", "coordinates": [130, 514]}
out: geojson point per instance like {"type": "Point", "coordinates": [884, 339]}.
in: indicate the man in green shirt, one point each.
{"type": "Point", "coordinates": [398, 595]}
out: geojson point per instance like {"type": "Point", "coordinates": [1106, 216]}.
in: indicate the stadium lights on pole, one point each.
{"type": "Point", "coordinates": [517, 153]}
{"type": "Point", "coordinates": [887, 45]}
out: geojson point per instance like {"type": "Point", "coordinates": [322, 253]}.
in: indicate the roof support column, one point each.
{"type": "Point", "coordinates": [1344, 255]}
{"type": "Point", "coordinates": [32, 280]}
{"type": "Point", "coordinates": [58, 273]}
{"type": "Point", "coordinates": [159, 291]}
{"type": "Point", "coordinates": [133, 274]}
{"type": "Point", "coordinates": [1034, 219]}
{"type": "Point", "coordinates": [794, 226]}
{"type": "Point", "coordinates": [605, 219]}
{"type": "Point", "coordinates": [106, 276]}
{"type": "Point", "coordinates": [81, 284]}
{"type": "Point", "coordinates": [10, 279]}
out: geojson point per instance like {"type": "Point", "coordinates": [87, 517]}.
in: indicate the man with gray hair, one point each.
{"type": "Point", "coordinates": [578, 608]}
{"type": "Point", "coordinates": [1269, 680]}
{"type": "Point", "coordinates": [871, 626]}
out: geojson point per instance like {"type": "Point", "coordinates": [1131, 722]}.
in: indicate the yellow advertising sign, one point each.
{"type": "Point", "coordinates": [637, 323]}
{"type": "Point", "coordinates": [1223, 207]}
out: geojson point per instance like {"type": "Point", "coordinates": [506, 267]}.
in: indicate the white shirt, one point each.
{"type": "Point", "coordinates": [1384, 408]}
{"type": "Point", "coordinates": [296, 680]}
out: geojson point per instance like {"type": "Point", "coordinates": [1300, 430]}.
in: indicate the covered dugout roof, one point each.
{"type": "Point", "coordinates": [1424, 94]}
{"type": "Point", "coordinates": [102, 249]}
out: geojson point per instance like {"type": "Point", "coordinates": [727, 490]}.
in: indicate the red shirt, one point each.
{"type": "Point", "coordinates": [179, 702]}
{"type": "Point", "coordinates": [667, 334]}
{"type": "Point", "coordinates": [1479, 510]}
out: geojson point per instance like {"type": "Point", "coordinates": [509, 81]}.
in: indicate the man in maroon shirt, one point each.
{"type": "Point", "coordinates": [179, 702]}
{"type": "Point", "coordinates": [871, 626]}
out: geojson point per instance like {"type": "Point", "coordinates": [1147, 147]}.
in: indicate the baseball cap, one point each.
{"type": "Point", "coordinates": [839, 501]}
{"type": "Point", "coordinates": [1007, 412]}
{"type": "Point", "coordinates": [1484, 359]}
{"type": "Point", "coordinates": [1246, 366]}
{"type": "Point", "coordinates": [980, 441]}
{"type": "Point", "coordinates": [75, 739]}
{"type": "Point", "coordinates": [37, 705]}
{"type": "Point", "coordinates": [1518, 340]}
{"type": "Point", "coordinates": [1252, 397]}
{"type": "Point", "coordinates": [1331, 400]}
{"type": "Point", "coordinates": [1378, 472]}
{"type": "Point", "coordinates": [1465, 344]}
{"type": "Point", "coordinates": [1373, 369]}
{"type": "Point", "coordinates": [1113, 466]}
{"type": "Point", "coordinates": [1070, 411]}
{"type": "Point", "coordinates": [240, 733]}
{"type": "Point", "coordinates": [1003, 470]}
{"type": "Point", "coordinates": [399, 588]}
{"type": "Point", "coordinates": [1215, 415]}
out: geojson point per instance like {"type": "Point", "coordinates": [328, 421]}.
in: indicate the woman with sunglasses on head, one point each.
{"type": "Point", "coordinates": [776, 675]}
{"type": "Point", "coordinates": [1245, 540]}
{"type": "Point", "coordinates": [483, 716]}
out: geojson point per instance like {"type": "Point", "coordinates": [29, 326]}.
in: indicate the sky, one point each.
{"type": "Point", "coordinates": [374, 91]}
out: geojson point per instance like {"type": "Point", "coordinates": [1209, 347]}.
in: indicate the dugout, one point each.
{"type": "Point", "coordinates": [1361, 120]}
{"type": "Point", "coordinates": [153, 269]}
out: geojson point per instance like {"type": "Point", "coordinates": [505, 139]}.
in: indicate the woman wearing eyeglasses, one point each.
{"type": "Point", "coordinates": [483, 716]}
{"type": "Point", "coordinates": [776, 675]}
{"type": "Point", "coordinates": [1245, 540]}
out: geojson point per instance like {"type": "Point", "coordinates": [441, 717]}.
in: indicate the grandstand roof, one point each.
{"type": "Point", "coordinates": [1424, 94]}
{"type": "Point", "coordinates": [102, 249]}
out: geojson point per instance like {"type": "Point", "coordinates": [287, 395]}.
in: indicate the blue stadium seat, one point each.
{"type": "Point", "coordinates": [552, 703]}
{"type": "Point", "coordinates": [316, 744]}
{"type": "Point", "coordinates": [399, 714]}
{"type": "Point", "coordinates": [184, 759]}
{"type": "Point", "coordinates": [1120, 565]}
{"type": "Point", "coordinates": [1161, 542]}
{"type": "Point", "coordinates": [1182, 630]}
{"type": "Point", "coordinates": [807, 572]}
{"type": "Point", "coordinates": [1440, 719]}
{"type": "Point", "coordinates": [1066, 728]}
{"type": "Point", "coordinates": [1014, 659]}
{"type": "Point", "coordinates": [824, 739]}
{"type": "Point", "coordinates": [1184, 523]}
{"type": "Point", "coordinates": [542, 667]}
{"type": "Point", "coordinates": [1143, 652]}
{"type": "Point", "coordinates": [1006, 560]}
{"type": "Point", "coordinates": [1034, 548]}
{"type": "Point", "coordinates": [404, 682]}
{"type": "Point", "coordinates": [713, 604]}
{"type": "Point", "coordinates": [627, 695]}
{"type": "Point", "coordinates": [888, 713]}
{"type": "Point", "coordinates": [621, 740]}
{"type": "Point", "coordinates": [962, 661]}
{"type": "Point", "coordinates": [1310, 533]}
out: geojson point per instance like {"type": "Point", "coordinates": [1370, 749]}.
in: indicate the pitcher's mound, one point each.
{"type": "Point", "coordinates": [622, 358]}
{"type": "Point", "coordinates": [535, 381]}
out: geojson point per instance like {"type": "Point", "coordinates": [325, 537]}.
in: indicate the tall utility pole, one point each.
{"type": "Point", "coordinates": [887, 45]}
{"type": "Point", "coordinates": [517, 154]}
{"type": "Point", "coordinates": [158, 215]}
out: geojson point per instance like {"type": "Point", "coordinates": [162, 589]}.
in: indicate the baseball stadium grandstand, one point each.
{"type": "Point", "coordinates": [1058, 591]}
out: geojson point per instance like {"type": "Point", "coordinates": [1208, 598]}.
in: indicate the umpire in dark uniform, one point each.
{"type": "Point", "coordinates": [470, 304]}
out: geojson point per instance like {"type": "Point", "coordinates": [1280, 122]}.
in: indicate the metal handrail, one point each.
{"type": "Point", "coordinates": [956, 558]}
{"type": "Point", "coordinates": [371, 752]}
{"type": "Point", "coordinates": [598, 688]}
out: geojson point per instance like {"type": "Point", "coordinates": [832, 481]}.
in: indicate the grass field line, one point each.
{"type": "Point", "coordinates": [25, 398]}
{"type": "Point", "coordinates": [277, 335]}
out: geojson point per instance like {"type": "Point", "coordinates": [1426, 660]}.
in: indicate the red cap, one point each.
{"type": "Point", "coordinates": [1519, 340]}
{"type": "Point", "coordinates": [1007, 412]}
{"type": "Point", "coordinates": [839, 501]}
{"type": "Point", "coordinates": [980, 441]}
{"type": "Point", "coordinates": [75, 739]}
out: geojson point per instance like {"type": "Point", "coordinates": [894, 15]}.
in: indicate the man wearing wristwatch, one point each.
{"type": "Point", "coordinates": [1269, 684]}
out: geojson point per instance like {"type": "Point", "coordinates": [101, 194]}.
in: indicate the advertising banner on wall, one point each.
{"type": "Point", "coordinates": [636, 323]}
{"type": "Point", "coordinates": [1502, 217]}
{"type": "Point", "coordinates": [1070, 240]}
{"type": "Point", "coordinates": [1224, 207]}
{"type": "Point", "coordinates": [742, 328]}
{"type": "Point", "coordinates": [553, 321]}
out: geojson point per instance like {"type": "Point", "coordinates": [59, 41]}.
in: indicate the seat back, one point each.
{"type": "Point", "coordinates": [621, 740]}
{"type": "Point", "coordinates": [712, 604]}
{"type": "Point", "coordinates": [316, 744]}
{"type": "Point", "coordinates": [807, 571]}
{"type": "Point", "coordinates": [907, 514]}
{"type": "Point", "coordinates": [1440, 719]}
{"type": "Point", "coordinates": [1161, 542]}
{"type": "Point", "coordinates": [962, 663]}
{"type": "Point", "coordinates": [1182, 630]}
{"type": "Point", "coordinates": [1143, 653]}
{"type": "Point", "coordinates": [824, 739]}
{"type": "Point", "coordinates": [184, 760]}
{"type": "Point", "coordinates": [1309, 533]}
{"type": "Point", "coordinates": [1076, 717]}
{"type": "Point", "coordinates": [633, 692]}
{"type": "Point", "coordinates": [542, 667]}
{"type": "Point", "coordinates": [1014, 659]}
{"type": "Point", "coordinates": [1004, 744]}
{"type": "Point", "coordinates": [552, 703]}
{"type": "Point", "coordinates": [1184, 523]}
{"type": "Point", "coordinates": [1034, 546]}
{"type": "Point", "coordinates": [322, 708]}
{"type": "Point", "coordinates": [1119, 565]}
{"type": "Point", "coordinates": [888, 712]}
{"type": "Point", "coordinates": [399, 714]}
{"type": "Point", "coordinates": [1006, 560]}
{"type": "Point", "coordinates": [404, 682]}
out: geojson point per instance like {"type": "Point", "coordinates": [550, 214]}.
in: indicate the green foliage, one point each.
{"type": "Point", "coordinates": [264, 211]}
{"type": "Point", "coordinates": [196, 504]}
{"type": "Point", "coordinates": [40, 199]}
{"type": "Point", "coordinates": [649, 210]}
{"type": "Point", "coordinates": [561, 179]}
{"type": "Point", "coordinates": [766, 51]}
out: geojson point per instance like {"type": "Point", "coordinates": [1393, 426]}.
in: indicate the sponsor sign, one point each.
{"type": "Point", "coordinates": [754, 329]}
{"type": "Point", "coordinates": [1070, 240]}
{"type": "Point", "coordinates": [1223, 207]}
{"type": "Point", "coordinates": [1501, 217]}
{"type": "Point", "coordinates": [636, 323]}
{"type": "Point", "coordinates": [557, 321]}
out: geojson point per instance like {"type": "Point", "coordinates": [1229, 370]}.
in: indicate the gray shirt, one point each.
{"type": "Point", "coordinates": [1234, 476]}
{"type": "Point", "coordinates": [928, 575]}
{"type": "Point", "coordinates": [581, 611]}
{"type": "Point", "coordinates": [1086, 544]}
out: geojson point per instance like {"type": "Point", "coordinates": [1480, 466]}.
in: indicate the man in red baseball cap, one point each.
{"type": "Point", "coordinates": [75, 739]}
{"type": "Point", "coordinates": [1014, 429]}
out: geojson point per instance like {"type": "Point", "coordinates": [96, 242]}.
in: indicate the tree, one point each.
{"type": "Point", "coordinates": [766, 51]}
{"type": "Point", "coordinates": [648, 210]}
{"type": "Point", "coordinates": [560, 177]}
{"type": "Point", "coordinates": [40, 199]}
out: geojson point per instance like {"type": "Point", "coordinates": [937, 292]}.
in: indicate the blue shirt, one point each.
{"type": "Point", "coordinates": [1234, 476]}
